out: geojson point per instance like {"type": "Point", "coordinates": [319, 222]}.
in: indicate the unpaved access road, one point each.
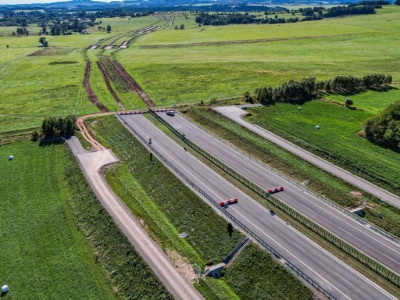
{"type": "Point", "coordinates": [235, 114]}
{"type": "Point", "coordinates": [91, 164]}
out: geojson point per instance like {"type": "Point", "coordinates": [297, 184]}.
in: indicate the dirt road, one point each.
{"type": "Point", "coordinates": [91, 164]}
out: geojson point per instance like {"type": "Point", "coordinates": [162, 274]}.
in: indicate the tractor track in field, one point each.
{"type": "Point", "coordinates": [91, 95]}
{"type": "Point", "coordinates": [234, 42]}
{"type": "Point", "coordinates": [107, 80]}
{"type": "Point", "coordinates": [131, 83]}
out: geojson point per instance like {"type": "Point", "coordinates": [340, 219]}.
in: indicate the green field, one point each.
{"type": "Point", "coordinates": [201, 63]}
{"type": "Point", "coordinates": [57, 238]}
{"type": "Point", "coordinates": [42, 250]}
{"type": "Point", "coordinates": [38, 82]}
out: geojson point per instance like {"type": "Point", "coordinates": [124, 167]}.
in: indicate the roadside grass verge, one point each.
{"type": "Point", "coordinates": [186, 212]}
{"type": "Point", "coordinates": [168, 207]}
{"type": "Point", "coordinates": [254, 275]}
{"type": "Point", "coordinates": [321, 182]}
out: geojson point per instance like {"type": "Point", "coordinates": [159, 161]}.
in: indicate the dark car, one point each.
{"type": "Point", "coordinates": [271, 212]}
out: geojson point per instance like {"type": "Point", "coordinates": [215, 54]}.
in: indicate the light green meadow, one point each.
{"type": "Point", "coordinates": [201, 63]}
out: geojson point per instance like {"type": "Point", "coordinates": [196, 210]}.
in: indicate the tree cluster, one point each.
{"type": "Point", "coordinates": [308, 88]}
{"type": "Point", "coordinates": [182, 27]}
{"type": "Point", "coordinates": [121, 12]}
{"type": "Point", "coordinates": [225, 19]}
{"type": "Point", "coordinates": [338, 11]}
{"type": "Point", "coordinates": [21, 31]}
{"type": "Point", "coordinates": [372, 3]}
{"type": "Point", "coordinates": [44, 42]}
{"type": "Point", "coordinates": [58, 127]}
{"type": "Point", "coordinates": [384, 129]}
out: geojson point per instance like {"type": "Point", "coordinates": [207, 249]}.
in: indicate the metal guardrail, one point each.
{"type": "Point", "coordinates": [229, 215]}
{"type": "Point", "coordinates": [366, 260]}
{"type": "Point", "coordinates": [232, 253]}
{"type": "Point", "coordinates": [345, 211]}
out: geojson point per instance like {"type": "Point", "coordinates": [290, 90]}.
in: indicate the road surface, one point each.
{"type": "Point", "coordinates": [91, 163]}
{"type": "Point", "coordinates": [235, 114]}
{"type": "Point", "coordinates": [366, 240]}
{"type": "Point", "coordinates": [333, 275]}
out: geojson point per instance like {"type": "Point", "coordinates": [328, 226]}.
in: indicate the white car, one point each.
{"type": "Point", "coordinates": [170, 112]}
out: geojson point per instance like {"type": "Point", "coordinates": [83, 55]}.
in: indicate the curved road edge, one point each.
{"type": "Point", "coordinates": [235, 114]}
{"type": "Point", "coordinates": [91, 164]}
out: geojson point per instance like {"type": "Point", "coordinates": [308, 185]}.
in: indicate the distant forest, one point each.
{"type": "Point", "coordinates": [272, 17]}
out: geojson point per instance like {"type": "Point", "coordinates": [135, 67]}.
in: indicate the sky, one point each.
{"type": "Point", "coordinates": [40, 1]}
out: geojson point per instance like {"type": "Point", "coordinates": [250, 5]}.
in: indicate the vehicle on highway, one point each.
{"type": "Point", "coordinates": [275, 190]}
{"type": "Point", "coordinates": [171, 112]}
{"type": "Point", "coordinates": [271, 212]}
{"type": "Point", "coordinates": [227, 202]}
{"type": "Point", "coordinates": [149, 141]}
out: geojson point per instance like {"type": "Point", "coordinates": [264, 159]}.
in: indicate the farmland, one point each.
{"type": "Point", "coordinates": [174, 66]}
{"type": "Point", "coordinates": [39, 82]}
{"type": "Point", "coordinates": [53, 232]}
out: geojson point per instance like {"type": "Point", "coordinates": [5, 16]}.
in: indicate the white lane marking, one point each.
{"type": "Point", "coordinates": [343, 278]}
{"type": "Point", "coordinates": [222, 146]}
{"type": "Point", "coordinates": [300, 234]}
{"type": "Point", "coordinates": [345, 265]}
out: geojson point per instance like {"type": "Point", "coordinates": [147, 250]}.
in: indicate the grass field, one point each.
{"type": "Point", "coordinates": [38, 82]}
{"type": "Point", "coordinates": [42, 251]}
{"type": "Point", "coordinates": [200, 63]}
{"type": "Point", "coordinates": [56, 237]}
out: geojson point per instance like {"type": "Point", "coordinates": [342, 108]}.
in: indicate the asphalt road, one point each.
{"type": "Point", "coordinates": [368, 241]}
{"type": "Point", "coordinates": [91, 163]}
{"type": "Point", "coordinates": [336, 277]}
{"type": "Point", "coordinates": [235, 114]}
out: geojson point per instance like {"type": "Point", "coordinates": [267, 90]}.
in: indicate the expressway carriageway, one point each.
{"type": "Point", "coordinates": [235, 113]}
{"type": "Point", "coordinates": [373, 244]}
{"type": "Point", "coordinates": [333, 275]}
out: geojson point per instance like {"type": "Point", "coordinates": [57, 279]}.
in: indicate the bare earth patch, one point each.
{"type": "Point", "coordinates": [356, 194]}
{"type": "Point", "coordinates": [181, 265]}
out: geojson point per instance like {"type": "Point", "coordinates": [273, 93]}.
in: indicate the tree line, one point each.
{"type": "Point", "coordinates": [58, 127]}
{"type": "Point", "coordinates": [308, 88]}
{"type": "Point", "coordinates": [308, 13]}
{"type": "Point", "coordinates": [384, 129]}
